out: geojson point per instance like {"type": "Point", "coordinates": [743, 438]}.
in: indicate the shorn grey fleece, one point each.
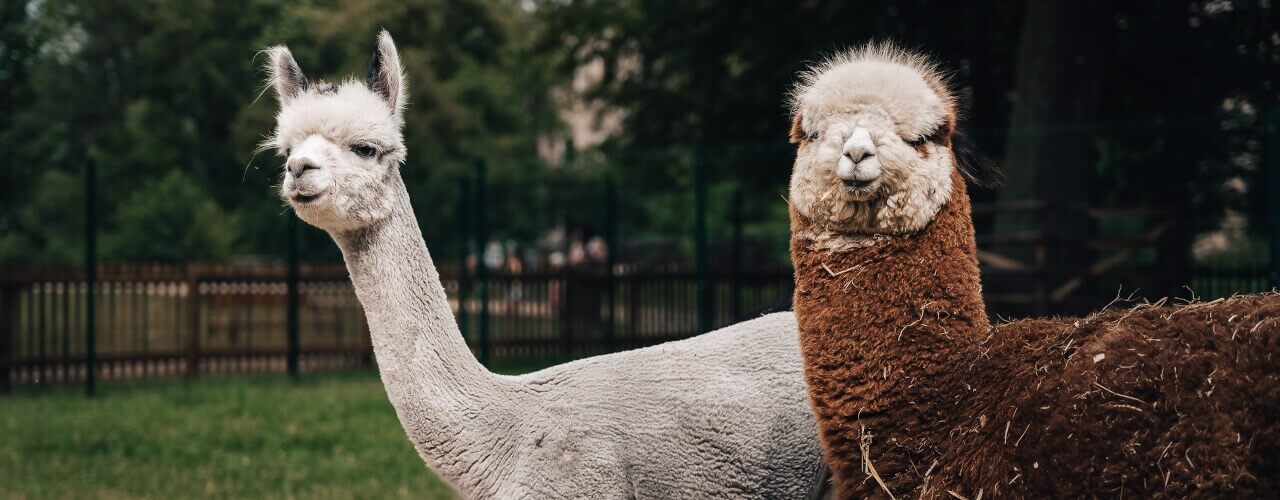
{"type": "Point", "coordinates": [721, 415]}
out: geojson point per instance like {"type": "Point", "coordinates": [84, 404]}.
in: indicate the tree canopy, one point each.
{"type": "Point", "coordinates": [166, 97]}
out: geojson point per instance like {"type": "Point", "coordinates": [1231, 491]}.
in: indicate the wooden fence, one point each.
{"type": "Point", "coordinates": [194, 320]}
{"type": "Point", "coordinates": [1142, 251]}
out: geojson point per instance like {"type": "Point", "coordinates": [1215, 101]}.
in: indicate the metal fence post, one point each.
{"type": "Point", "coordinates": [1272, 155]}
{"type": "Point", "coordinates": [700, 239]}
{"type": "Point", "coordinates": [482, 273]}
{"type": "Point", "coordinates": [90, 279]}
{"type": "Point", "coordinates": [611, 259]}
{"type": "Point", "coordinates": [464, 275]}
{"type": "Point", "coordinates": [292, 300]}
{"type": "Point", "coordinates": [737, 254]}
{"type": "Point", "coordinates": [193, 321]}
{"type": "Point", "coordinates": [566, 310]}
{"type": "Point", "coordinates": [8, 333]}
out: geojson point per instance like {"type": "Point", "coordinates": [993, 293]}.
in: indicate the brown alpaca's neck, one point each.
{"type": "Point", "coordinates": [882, 330]}
{"type": "Point", "coordinates": [900, 294]}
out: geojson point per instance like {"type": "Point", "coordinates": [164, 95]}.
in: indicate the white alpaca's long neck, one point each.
{"type": "Point", "coordinates": [449, 404]}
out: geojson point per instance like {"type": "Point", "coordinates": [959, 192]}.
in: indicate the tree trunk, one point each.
{"type": "Point", "coordinates": [1050, 154]}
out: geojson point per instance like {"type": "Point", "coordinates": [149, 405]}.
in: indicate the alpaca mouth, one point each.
{"type": "Point", "coordinates": [305, 198]}
{"type": "Point", "coordinates": [857, 187]}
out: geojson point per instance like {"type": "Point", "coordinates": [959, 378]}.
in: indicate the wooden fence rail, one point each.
{"type": "Point", "coordinates": [155, 321]}
{"type": "Point", "coordinates": [171, 320]}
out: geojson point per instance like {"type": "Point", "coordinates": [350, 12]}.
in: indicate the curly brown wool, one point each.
{"type": "Point", "coordinates": [911, 384]}
{"type": "Point", "coordinates": [917, 395]}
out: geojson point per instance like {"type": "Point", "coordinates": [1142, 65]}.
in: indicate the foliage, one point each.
{"type": "Point", "coordinates": [716, 74]}
{"type": "Point", "coordinates": [1183, 84]}
{"type": "Point", "coordinates": [149, 87]}
{"type": "Point", "coordinates": [171, 219]}
{"type": "Point", "coordinates": [159, 88]}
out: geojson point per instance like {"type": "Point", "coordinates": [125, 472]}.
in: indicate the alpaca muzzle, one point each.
{"type": "Point", "coordinates": [304, 182]}
{"type": "Point", "coordinates": [858, 168]}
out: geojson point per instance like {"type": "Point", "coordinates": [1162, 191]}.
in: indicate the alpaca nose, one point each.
{"type": "Point", "coordinates": [300, 165]}
{"type": "Point", "coordinates": [859, 146]}
{"type": "Point", "coordinates": [854, 166]}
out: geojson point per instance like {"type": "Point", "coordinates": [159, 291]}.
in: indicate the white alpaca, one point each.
{"type": "Point", "coordinates": [722, 415]}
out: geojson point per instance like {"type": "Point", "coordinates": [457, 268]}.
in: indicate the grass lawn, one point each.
{"type": "Point", "coordinates": [328, 436]}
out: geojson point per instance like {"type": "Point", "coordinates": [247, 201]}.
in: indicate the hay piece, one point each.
{"type": "Point", "coordinates": [1100, 386]}
{"type": "Point", "coordinates": [867, 466]}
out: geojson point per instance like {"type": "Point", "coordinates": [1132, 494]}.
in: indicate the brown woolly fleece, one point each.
{"type": "Point", "coordinates": [917, 395]}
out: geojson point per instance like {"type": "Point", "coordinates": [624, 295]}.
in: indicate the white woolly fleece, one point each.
{"type": "Point", "coordinates": [906, 86]}
{"type": "Point", "coordinates": [898, 99]}
{"type": "Point", "coordinates": [347, 114]}
{"type": "Point", "coordinates": [722, 415]}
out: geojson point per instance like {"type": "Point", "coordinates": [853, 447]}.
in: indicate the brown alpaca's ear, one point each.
{"type": "Point", "coordinates": [797, 131]}
{"type": "Point", "coordinates": [975, 166]}
{"type": "Point", "coordinates": [386, 75]}
{"type": "Point", "coordinates": [284, 74]}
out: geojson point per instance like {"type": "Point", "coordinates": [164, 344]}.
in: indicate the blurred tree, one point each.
{"type": "Point", "coordinates": [47, 226]}
{"type": "Point", "coordinates": [714, 73]}
{"type": "Point", "coordinates": [141, 87]}
{"type": "Point", "coordinates": [1163, 99]}
{"type": "Point", "coordinates": [1051, 149]}
{"type": "Point", "coordinates": [154, 89]}
{"type": "Point", "coordinates": [18, 42]}
{"type": "Point", "coordinates": [476, 91]}
{"type": "Point", "coordinates": [150, 87]}
{"type": "Point", "coordinates": [171, 219]}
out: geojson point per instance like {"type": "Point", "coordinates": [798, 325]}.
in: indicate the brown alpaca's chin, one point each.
{"type": "Point", "coordinates": [860, 194]}
{"type": "Point", "coordinates": [860, 190]}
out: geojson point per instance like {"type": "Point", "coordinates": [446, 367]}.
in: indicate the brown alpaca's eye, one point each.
{"type": "Point", "coordinates": [919, 142]}
{"type": "Point", "coordinates": [364, 150]}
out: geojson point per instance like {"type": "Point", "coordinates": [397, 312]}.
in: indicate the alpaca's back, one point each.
{"type": "Point", "coordinates": [721, 415]}
{"type": "Point", "coordinates": [1149, 401]}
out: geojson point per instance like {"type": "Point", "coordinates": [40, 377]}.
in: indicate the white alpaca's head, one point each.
{"type": "Point", "coordinates": [342, 143]}
{"type": "Point", "coordinates": [874, 127]}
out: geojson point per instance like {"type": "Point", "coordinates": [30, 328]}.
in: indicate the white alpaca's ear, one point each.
{"type": "Point", "coordinates": [284, 74]}
{"type": "Point", "coordinates": [386, 75]}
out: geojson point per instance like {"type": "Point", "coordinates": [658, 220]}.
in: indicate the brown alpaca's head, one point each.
{"type": "Point", "coordinates": [875, 129]}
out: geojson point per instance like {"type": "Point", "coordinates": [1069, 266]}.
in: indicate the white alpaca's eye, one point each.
{"type": "Point", "coordinates": [363, 150]}
{"type": "Point", "coordinates": [813, 136]}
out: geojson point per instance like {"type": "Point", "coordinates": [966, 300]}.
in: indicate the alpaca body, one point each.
{"type": "Point", "coordinates": [719, 415]}
{"type": "Point", "coordinates": [916, 394]}
{"type": "Point", "coordinates": [715, 416]}
{"type": "Point", "coordinates": [1150, 401]}
{"type": "Point", "coordinates": [705, 417]}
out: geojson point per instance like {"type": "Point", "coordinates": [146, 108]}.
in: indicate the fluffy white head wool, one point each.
{"type": "Point", "coordinates": [893, 110]}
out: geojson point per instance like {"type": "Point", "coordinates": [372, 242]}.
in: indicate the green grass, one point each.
{"type": "Point", "coordinates": [328, 436]}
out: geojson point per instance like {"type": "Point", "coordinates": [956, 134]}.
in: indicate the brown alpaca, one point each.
{"type": "Point", "coordinates": [916, 394]}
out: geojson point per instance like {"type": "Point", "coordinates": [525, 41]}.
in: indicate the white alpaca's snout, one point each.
{"type": "Point", "coordinates": [858, 166]}
{"type": "Point", "coordinates": [300, 165]}
{"type": "Point", "coordinates": [306, 172]}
